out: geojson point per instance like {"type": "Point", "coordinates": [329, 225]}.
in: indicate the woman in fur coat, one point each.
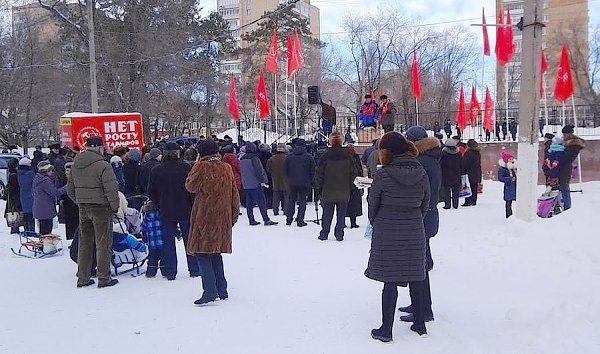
{"type": "Point", "coordinates": [215, 211]}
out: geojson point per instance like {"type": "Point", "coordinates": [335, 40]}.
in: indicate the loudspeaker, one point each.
{"type": "Point", "coordinates": [314, 97]}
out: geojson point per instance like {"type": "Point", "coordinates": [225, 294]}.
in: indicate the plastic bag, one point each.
{"type": "Point", "coordinates": [465, 187]}
{"type": "Point", "coordinates": [369, 231]}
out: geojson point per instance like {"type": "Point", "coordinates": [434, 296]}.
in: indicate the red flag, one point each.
{"type": "Point", "coordinates": [298, 48]}
{"type": "Point", "coordinates": [486, 38]}
{"type": "Point", "coordinates": [273, 55]}
{"type": "Point", "coordinates": [509, 37]}
{"type": "Point", "coordinates": [474, 108]}
{"type": "Point", "coordinates": [544, 70]}
{"type": "Point", "coordinates": [294, 62]}
{"type": "Point", "coordinates": [233, 108]}
{"type": "Point", "coordinates": [505, 47]}
{"type": "Point", "coordinates": [416, 85]}
{"type": "Point", "coordinates": [564, 80]}
{"type": "Point", "coordinates": [461, 115]}
{"type": "Point", "coordinates": [488, 114]}
{"type": "Point", "coordinates": [262, 98]}
{"type": "Point", "coordinates": [499, 36]}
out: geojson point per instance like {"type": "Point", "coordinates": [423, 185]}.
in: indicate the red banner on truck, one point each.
{"type": "Point", "coordinates": [116, 129]}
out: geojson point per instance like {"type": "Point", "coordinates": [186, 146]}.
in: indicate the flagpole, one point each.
{"type": "Point", "coordinates": [564, 118]}
{"type": "Point", "coordinates": [417, 106]}
{"type": "Point", "coordinates": [287, 114]}
{"type": "Point", "coordinates": [578, 155]}
{"type": "Point", "coordinates": [506, 97]}
{"type": "Point", "coordinates": [255, 115]}
{"type": "Point", "coordinates": [480, 128]}
{"type": "Point", "coordinates": [295, 111]}
{"type": "Point", "coordinates": [276, 113]}
{"type": "Point", "coordinates": [545, 100]}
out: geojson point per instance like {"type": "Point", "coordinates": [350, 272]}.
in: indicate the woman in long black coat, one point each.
{"type": "Point", "coordinates": [13, 198]}
{"type": "Point", "coordinates": [471, 165]}
{"type": "Point", "coordinates": [398, 202]}
{"type": "Point", "coordinates": [355, 204]}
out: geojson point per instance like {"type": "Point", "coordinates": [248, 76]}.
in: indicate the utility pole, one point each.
{"type": "Point", "coordinates": [529, 111]}
{"type": "Point", "coordinates": [92, 48]}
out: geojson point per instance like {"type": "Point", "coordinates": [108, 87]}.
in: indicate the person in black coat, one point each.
{"type": "Point", "coordinates": [471, 165]}
{"type": "Point", "coordinates": [513, 126]}
{"type": "Point", "coordinates": [300, 170]}
{"type": "Point", "coordinates": [166, 188]}
{"type": "Point", "coordinates": [448, 129]}
{"type": "Point", "coordinates": [573, 145]}
{"type": "Point", "coordinates": [504, 130]}
{"type": "Point", "coordinates": [355, 204]}
{"type": "Point", "coordinates": [38, 156]}
{"type": "Point", "coordinates": [131, 172]}
{"type": "Point", "coordinates": [57, 159]}
{"type": "Point", "coordinates": [155, 156]}
{"type": "Point", "coordinates": [451, 172]}
{"type": "Point", "coordinates": [13, 199]}
{"type": "Point", "coordinates": [398, 202]}
{"type": "Point", "coordinates": [69, 211]}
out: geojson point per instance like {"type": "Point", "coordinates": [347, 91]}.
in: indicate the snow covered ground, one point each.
{"type": "Point", "coordinates": [498, 287]}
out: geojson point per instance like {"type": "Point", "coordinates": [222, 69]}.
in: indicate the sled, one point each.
{"type": "Point", "coordinates": [34, 245]}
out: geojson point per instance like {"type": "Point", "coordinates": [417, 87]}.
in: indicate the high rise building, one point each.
{"type": "Point", "coordinates": [240, 13]}
{"type": "Point", "coordinates": [566, 22]}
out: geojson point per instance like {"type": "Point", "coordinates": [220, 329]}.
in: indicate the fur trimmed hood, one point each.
{"type": "Point", "coordinates": [386, 157]}
{"type": "Point", "coordinates": [509, 165]}
{"type": "Point", "coordinates": [427, 144]}
{"type": "Point", "coordinates": [572, 140]}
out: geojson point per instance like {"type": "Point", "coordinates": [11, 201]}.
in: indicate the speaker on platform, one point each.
{"type": "Point", "coordinates": [314, 97]}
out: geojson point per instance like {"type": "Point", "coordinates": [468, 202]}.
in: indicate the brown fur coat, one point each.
{"type": "Point", "coordinates": [216, 207]}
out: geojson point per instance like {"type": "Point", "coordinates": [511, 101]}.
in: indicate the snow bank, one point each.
{"type": "Point", "coordinates": [498, 286]}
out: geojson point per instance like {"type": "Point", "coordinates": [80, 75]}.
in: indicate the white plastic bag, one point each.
{"type": "Point", "coordinates": [465, 187]}
{"type": "Point", "coordinates": [369, 231]}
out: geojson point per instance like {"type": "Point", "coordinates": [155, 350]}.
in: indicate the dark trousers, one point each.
{"type": "Point", "coordinates": [256, 196]}
{"type": "Point", "coordinates": [298, 195]}
{"type": "Point", "coordinates": [280, 198]}
{"type": "Point", "coordinates": [565, 193]}
{"type": "Point", "coordinates": [46, 226]}
{"type": "Point", "coordinates": [328, 209]}
{"type": "Point", "coordinates": [450, 194]}
{"type": "Point", "coordinates": [472, 200]}
{"type": "Point", "coordinates": [388, 128]}
{"type": "Point", "coordinates": [508, 208]}
{"type": "Point", "coordinates": [169, 257]}
{"type": "Point", "coordinates": [95, 228]}
{"type": "Point", "coordinates": [353, 221]}
{"type": "Point", "coordinates": [389, 297]}
{"type": "Point", "coordinates": [155, 263]}
{"type": "Point", "coordinates": [429, 258]}
{"type": "Point", "coordinates": [213, 275]}
{"type": "Point", "coordinates": [29, 222]}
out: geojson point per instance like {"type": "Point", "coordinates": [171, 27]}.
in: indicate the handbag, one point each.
{"type": "Point", "coordinates": [13, 218]}
{"type": "Point", "coordinates": [465, 187]}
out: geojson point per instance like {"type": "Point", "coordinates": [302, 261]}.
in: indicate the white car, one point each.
{"type": "Point", "coordinates": [4, 158]}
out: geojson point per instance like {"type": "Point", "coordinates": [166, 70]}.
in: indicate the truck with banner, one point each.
{"type": "Point", "coordinates": [116, 129]}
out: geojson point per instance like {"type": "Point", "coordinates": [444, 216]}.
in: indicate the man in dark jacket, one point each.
{"type": "Point", "coordinates": [573, 145]}
{"type": "Point", "coordinates": [512, 128]}
{"type": "Point", "coordinates": [451, 172]}
{"type": "Point", "coordinates": [365, 157]}
{"type": "Point", "coordinates": [254, 178]}
{"type": "Point", "coordinates": [448, 128]}
{"type": "Point", "coordinates": [334, 180]}
{"type": "Point", "coordinates": [300, 171]}
{"type": "Point", "coordinates": [57, 159]}
{"type": "Point", "coordinates": [155, 156]}
{"type": "Point", "coordinates": [281, 187]}
{"type": "Point", "coordinates": [471, 166]}
{"type": "Point", "coordinates": [92, 185]}
{"type": "Point", "coordinates": [328, 117]}
{"type": "Point", "coordinates": [131, 172]}
{"type": "Point", "coordinates": [387, 114]}
{"type": "Point", "coordinates": [166, 188]}
{"type": "Point", "coordinates": [430, 153]}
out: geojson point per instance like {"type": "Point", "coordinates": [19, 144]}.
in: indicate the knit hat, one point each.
{"type": "Point", "coordinates": [558, 141]}
{"type": "Point", "coordinates": [172, 147]}
{"type": "Point", "coordinates": [25, 162]}
{"type": "Point", "coordinates": [55, 146]}
{"type": "Point", "coordinates": [154, 153]}
{"type": "Point", "coordinates": [506, 156]}
{"type": "Point", "coordinates": [68, 165]}
{"type": "Point", "coordinates": [45, 166]}
{"type": "Point", "coordinates": [416, 133]}
{"type": "Point", "coordinates": [94, 141]}
{"type": "Point", "coordinates": [300, 143]}
{"type": "Point", "coordinates": [335, 139]}
{"type": "Point", "coordinates": [116, 159]}
{"type": "Point", "coordinates": [395, 143]}
{"type": "Point", "coordinates": [549, 136]}
{"type": "Point", "coordinates": [207, 147]}
{"type": "Point", "coordinates": [472, 143]}
{"type": "Point", "coordinates": [135, 155]}
{"type": "Point", "coordinates": [451, 143]}
{"type": "Point", "coordinates": [281, 147]}
{"type": "Point", "coordinates": [568, 129]}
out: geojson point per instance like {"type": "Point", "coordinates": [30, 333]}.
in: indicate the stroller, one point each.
{"type": "Point", "coordinates": [549, 204]}
{"type": "Point", "coordinates": [34, 245]}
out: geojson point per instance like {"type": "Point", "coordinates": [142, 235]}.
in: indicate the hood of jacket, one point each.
{"type": "Point", "coordinates": [574, 141]}
{"type": "Point", "coordinates": [250, 148]}
{"type": "Point", "coordinates": [299, 150]}
{"type": "Point", "coordinates": [405, 170]}
{"type": "Point", "coordinates": [86, 159]}
{"type": "Point", "coordinates": [336, 153]}
{"type": "Point", "coordinates": [39, 179]}
{"type": "Point", "coordinates": [508, 165]}
{"type": "Point", "coordinates": [428, 145]}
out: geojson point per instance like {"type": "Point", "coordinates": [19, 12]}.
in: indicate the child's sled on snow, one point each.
{"type": "Point", "coordinates": [34, 245]}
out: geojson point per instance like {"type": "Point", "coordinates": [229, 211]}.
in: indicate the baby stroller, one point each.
{"type": "Point", "coordinates": [34, 245]}
{"type": "Point", "coordinates": [549, 204]}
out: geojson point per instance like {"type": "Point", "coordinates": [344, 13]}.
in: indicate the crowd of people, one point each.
{"type": "Point", "coordinates": [195, 193]}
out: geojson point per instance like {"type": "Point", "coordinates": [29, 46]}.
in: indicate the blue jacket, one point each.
{"type": "Point", "coordinates": [152, 229]}
{"type": "Point", "coordinates": [300, 168]}
{"type": "Point", "coordinates": [505, 176]}
{"type": "Point", "coordinates": [44, 197]}
{"type": "Point", "coordinates": [252, 171]}
{"type": "Point", "coordinates": [368, 114]}
{"type": "Point", "coordinates": [25, 177]}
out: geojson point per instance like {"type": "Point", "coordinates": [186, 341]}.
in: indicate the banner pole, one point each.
{"type": "Point", "coordinates": [579, 155]}
{"type": "Point", "coordinates": [287, 112]}
{"type": "Point", "coordinates": [276, 109]}
{"type": "Point", "coordinates": [417, 107]}
{"type": "Point", "coordinates": [295, 111]}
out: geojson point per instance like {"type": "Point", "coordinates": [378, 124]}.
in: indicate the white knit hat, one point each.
{"type": "Point", "coordinates": [25, 162]}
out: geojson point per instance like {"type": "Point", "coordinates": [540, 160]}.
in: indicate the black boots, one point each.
{"type": "Point", "coordinates": [388, 307]}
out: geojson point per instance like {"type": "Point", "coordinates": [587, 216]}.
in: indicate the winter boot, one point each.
{"type": "Point", "coordinates": [420, 329]}
{"type": "Point", "coordinates": [205, 300]}
{"type": "Point", "coordinates": [89, 283]}
{"type": "Point", "coordinates": [389, 296]}
{"type": "Point", "coordinates": [411, 318]}
{"type": "Point", "coordinates": [112, 282]}
{"type": "Point", "coordinates": [407, 309]}
{"type": "Point", "coordinates": [271, 223]}
{"type": "Point", "coordinates": [302, 224]}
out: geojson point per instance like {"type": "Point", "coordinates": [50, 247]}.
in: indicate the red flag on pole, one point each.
{"type": "Point", "coordinates": [505, 47]}
{"type": "Point", "coordinates": [488, 114]}
{"type": "Point", "coordinates": [233, 108]}
{"type": "Point", "coordinates": [298, 48]}
{"type": "Point", "coordinates": [416, 85]}
{"type": "Point", "coordinates": [461, 115]}
{"type": "Point", "coordinates": [294, 61]}
{"type": "Point", "coordinates": [486, 38]}
{"type": "Point", "coordinates": [262, 98]}
{"type": "Point", "coordinates": [509, 37]}
{"type": "Point", "coordinates": [474, 108]}
{"type": "Point", "coordinates": [273, 55]}
{"type": "Point", "coordinates": [499, 36]}
{"type": "Point", "coordinates": [543, 72]}
{"type": "Point", "coordinates": [564, 80]}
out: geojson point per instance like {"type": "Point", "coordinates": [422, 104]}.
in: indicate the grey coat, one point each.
{"type": "Point", "coordinates": [252, 171]}
{"type": "Point", "coordinates": [398, 201]}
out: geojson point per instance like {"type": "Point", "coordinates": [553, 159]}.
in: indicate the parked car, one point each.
{"type": "Point", "coordinates": [183, 139]}
{"type": "Point", "coordinates": [4, 158]}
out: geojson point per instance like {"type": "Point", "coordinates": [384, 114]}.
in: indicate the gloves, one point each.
{"type": "Point", "coordinates": [264, 185]}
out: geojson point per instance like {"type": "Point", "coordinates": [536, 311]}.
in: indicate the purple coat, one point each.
{"type": "Point", "coordinates": [44, 197]}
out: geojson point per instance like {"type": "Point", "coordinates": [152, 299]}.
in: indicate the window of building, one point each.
{"type": "Point", "coordinates": [546, 18]}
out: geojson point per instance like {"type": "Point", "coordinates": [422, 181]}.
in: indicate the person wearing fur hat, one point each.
{"type": "Point", "coordinates": [155, 156]}
{"type": "Point", "coordinates": [334, 181]}
{"type": "Point", "coordinates": [215, 211]}
{"type": "Point", "coordinates": [131, 172]}
{"type": "Point", "coordinates": [507, 174]}
{"type": "Point", "coordinates": [45, 196]}
{"type": "Point", "coordinates": [25, 177]}
{"type": "Point", "coordinates": [451, 172]}
{"type": "Point", "coordinates": [471, 165]}
{"type": "Point", "coordinates": [398, 202]}
{"type": "Point", "coordinates": [281, 187]}
{"type": "Point", "coordinates": [387, 114]}
{"type": "Point", "coordinates": [573, 146]}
